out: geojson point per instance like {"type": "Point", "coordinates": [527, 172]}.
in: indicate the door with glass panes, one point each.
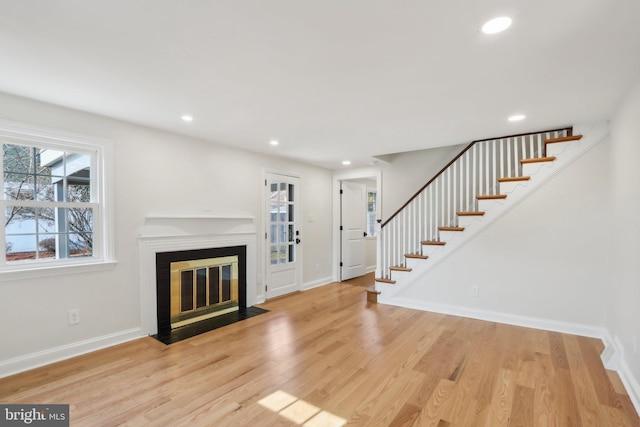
{"type": "Point", "coordinates": [282, 236]}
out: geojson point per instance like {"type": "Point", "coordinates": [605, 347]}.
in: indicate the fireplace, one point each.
{"type": "Point", "coordinates": [177, 238]}
{"type": "Point", "coordinates": [196, 285]}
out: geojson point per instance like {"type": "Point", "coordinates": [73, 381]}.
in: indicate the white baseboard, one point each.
{"type": "Point", "coordinates": [371, 269]}
{"type": "Point", "coordinates": [316, 283]}
{"type": "Point", "coordinates": [56, 354]}
{"type": "Point", "coordinates": [613, 359]}
{"type": "Point", "coordinates": [507, 318]}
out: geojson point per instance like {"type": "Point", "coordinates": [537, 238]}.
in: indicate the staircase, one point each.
{"type": "Point", "coordinates": [481, 184]}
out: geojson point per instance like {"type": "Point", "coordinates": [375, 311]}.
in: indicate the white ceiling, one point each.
{"type": "Point", "coordinates": [330, 79]}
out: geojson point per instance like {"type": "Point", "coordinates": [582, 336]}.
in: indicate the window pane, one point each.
{"type": "Point", "coordinates": [17, 159]}
{"type": "Point", "coordinates": [78, 191]}
{"type": "Point", "coordinates": [292, 251]}
{"type": "Point", "coordinates": [47, 246]}
{"type": "Point", "coordinates": [47, 188]}
{"type": "Point", "coordinates": [18, 186]}
{"type": "Point", "coordinates": [46, 220]}
{"type": "Point", "coordinates": [283, 254]}
{"type": "Point", "coordinates": [20, 220]}
{"type": "Point", "coordinates": [20, 248]}
{"type": "Point", "coordinates": [274, 255]}
{"type": "Point", "coordinates": [291, 192]}
{"type": "Point", "coordinates": [46, 158]}
{"type": "Point", "coordinates": [80, 245]}
{"type": "Point", "coordinates": [274, 233]}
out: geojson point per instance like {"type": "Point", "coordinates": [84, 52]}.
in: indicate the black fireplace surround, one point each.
{"type": "Point", "coordinates": [163, 288]}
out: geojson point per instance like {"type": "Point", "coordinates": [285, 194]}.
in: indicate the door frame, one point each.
{"type": "Point", "coordinates": [262, 279]}
{"type": "Point", "coordinates": [375, 173]}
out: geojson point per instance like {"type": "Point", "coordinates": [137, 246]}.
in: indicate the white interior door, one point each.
{"type": "Point", "coordinates": [283, 239]}
{"type": "Point", "coordinates": [353, 207]}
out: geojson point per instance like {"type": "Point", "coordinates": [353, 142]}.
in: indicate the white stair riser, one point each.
{"type": "Point", "coordinates": [398, 275]}
{"type": "Point", "coordinates": [487, 205]}
{"type": "Point", "coordinates": [429, 250]}
{"type": "Point", "coordinates": [557, 148]}
{"type": "Point", "coordinates": [447, 236]}
{"type": "Point", "coordinates": [534, 168]}
{"type": "Point", "coordinates": [414, 262]}
{"type": "Point", "coordinates": [508, 187]}
{"type": "Point", "coordinates": [465, 221]}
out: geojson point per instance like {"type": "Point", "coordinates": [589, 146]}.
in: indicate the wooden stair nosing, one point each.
{"type": "Point", "coordinates": [372, 290]}
{"type": "Point", "coordinates": [451, 228]}
{"type": "Point", "coordinates": [563, 139]}
{"type": "Point", "coordinates": [398, 268]}
{"type": "Point", "coordinates": [416, 256]}
{"type": "Point", "coordinates": [492, 197]}
{"type": "Point", "coordinates": [537, 160]}
{"type": "Point", "coordinates": [432, 243]}
{"type": "Point", "coordinates": [475, 213]}
{"type": "Point", "coordinates": [383, 280]}
{"type": "Point", "coordinates": [514, 178]}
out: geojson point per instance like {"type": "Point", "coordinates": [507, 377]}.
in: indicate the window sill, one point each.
{"type": "Point", "coordinates": [40, 271]}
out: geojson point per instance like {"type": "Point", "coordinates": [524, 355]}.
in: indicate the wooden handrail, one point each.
{"type": "Point", "coordinates": [460, 154]}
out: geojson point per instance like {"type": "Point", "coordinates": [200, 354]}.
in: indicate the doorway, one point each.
{"type": "Point", "coordinates": [283, 240]}
{"type": "Point", "coordinates": [356, 209]}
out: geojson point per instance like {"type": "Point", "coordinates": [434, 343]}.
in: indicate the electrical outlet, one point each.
{"type": "Point", "coordinates": [475, 290]}
{"type": "Point", "coordinates": [74, 316]}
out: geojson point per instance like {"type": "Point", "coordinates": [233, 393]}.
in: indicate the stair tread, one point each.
{"type": "Point", "coordinates": [399, 268]}
{"type": "Point", "coordinates": [492, 197]}
{"type": "Point", "coordinates": [563, 139]}
{"type": "Point", "coordinates": [416, 256]}
{"type": "Point", "coordinates": [514, 178]}
{"type": "Point", "coordinates": [383, 280]}
{"type": "Point", "coordinates": [372, 290]}
{"type": "Point", "coordinates": [538, 160]}
{"type": "Point", "coordinates": [433, 242]}
{"type": "Point", "coordinates": [451, 228]}
{"type": "Point", "coordinates": [474, 213]}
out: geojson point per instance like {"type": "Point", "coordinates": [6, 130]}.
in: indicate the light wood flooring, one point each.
{"type": "Point", "coordinates": [324, 358]}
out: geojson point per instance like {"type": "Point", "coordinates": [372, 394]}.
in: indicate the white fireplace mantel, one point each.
{"type": "Point", "coordinates": [167, 233]}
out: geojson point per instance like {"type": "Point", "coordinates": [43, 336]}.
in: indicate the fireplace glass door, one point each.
{"type": "Point", "coordinates": [202, 289]}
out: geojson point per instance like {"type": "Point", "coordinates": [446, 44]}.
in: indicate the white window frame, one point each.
{"type": "Point", "coordinates": [101, 151]}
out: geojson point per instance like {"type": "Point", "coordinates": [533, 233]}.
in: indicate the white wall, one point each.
{"type": "Point", "coordinates": [155, 172]}
{"type": "Point", "coordinates": [623, 284]}
{"type": "Point", "coordinates": [545, 259]}
{"type": "Point", "coordinates": [403, 174]}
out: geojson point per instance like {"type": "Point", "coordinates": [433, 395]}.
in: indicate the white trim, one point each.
{"type": "Point", "coordinates": [37, 271]}
{"type": "Point", "coordinates": [317, 283]}
{"type": "Point", "coordinates": [494, 316]}
{"type": "Point", "coordinates": [67, 351]}
{"type": "Point", "coordinates": [613, 359]}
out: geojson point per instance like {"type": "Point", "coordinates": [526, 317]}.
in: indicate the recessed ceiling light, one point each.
{"type": "Point", "coordinates": [346, 162]}
{"type": "Point", "coordinates": [274, 142]}
{"type": "Point", "coordinates": [496, 25]}
{"type": "Point", "coordinates": [516, 117]}
{"type": "Point", "coordinates": [187, 118]}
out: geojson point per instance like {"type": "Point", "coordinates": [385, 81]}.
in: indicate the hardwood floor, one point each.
{"type": "Point", "coordinates": [323, 358]}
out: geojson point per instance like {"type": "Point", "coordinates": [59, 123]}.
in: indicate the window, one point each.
{"type": "Point", "coordinates": [52, 200]}
{"type": "Point", "coordinates": [372, 213]}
